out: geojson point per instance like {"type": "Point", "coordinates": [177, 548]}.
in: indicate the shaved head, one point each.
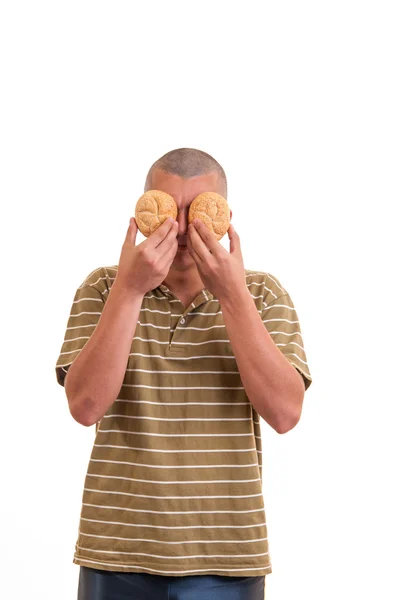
{"type": "Point", "coordinates": [186, 163]}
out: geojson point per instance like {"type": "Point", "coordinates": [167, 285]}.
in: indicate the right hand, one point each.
{"type": "Point", "coordinates": [142, 268]}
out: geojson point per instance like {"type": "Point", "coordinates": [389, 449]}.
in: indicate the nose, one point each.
{"type": "Point", "coordinates": [182, 220]}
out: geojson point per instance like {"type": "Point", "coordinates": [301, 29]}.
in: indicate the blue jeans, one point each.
{"type": "Point", "coordinates": [95, 584]}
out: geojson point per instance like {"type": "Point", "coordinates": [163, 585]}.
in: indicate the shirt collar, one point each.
{"type": "Point", "coordinates": [204, 296]}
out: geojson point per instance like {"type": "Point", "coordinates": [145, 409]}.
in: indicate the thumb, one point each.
{"type": "Point", "coordinates": [234, 240]}
{"type": "Point", "coordinates": [132, 232]}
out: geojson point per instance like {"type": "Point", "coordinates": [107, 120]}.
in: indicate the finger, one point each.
{"type": "Point", "coordinates": [198, 244]}
{"type": "Point", "coordinates": [207, 236]}
{"type": "Point", "coordinates": [234, 240]}
{"type": "Point", "coordinates": [168, 256]}
{"type": "Point", "coordinates": [131, 234]}
{"type": "Point", "coordinates": [168, 240]}
{"type": "Point", "coordinates": [158, 236]}
{"type": "Point", "coordinates": [192, 252]}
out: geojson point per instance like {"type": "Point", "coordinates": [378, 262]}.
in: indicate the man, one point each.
{"type": "Point", "coordinates": [175, 354]}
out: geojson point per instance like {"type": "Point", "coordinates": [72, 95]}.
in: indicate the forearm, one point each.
{"type": "Point", "coordinates": [272, 384]}
{"type": "Point", "coordinates": [95, 377]}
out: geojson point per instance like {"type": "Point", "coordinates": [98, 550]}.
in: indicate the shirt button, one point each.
{"type": "Point", "coordinates": [182, 321]}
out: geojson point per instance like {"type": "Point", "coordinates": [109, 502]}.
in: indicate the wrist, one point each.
{"type": "Point", "coordinates": [125, 292]}
{"type": "Point", "coordinates": [232, 301]}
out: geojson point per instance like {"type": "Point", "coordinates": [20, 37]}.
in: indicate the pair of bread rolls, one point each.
{"type": "Point", "coordinates": [155, 206]}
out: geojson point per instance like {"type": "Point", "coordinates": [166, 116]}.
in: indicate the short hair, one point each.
{"type": "Point", "coordinates": [187, 162]}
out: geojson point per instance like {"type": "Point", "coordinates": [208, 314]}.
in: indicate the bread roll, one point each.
{"type": "Point", "coordinates": [213, 210]}
{"type": "Point", "coordinates": [152, 209]}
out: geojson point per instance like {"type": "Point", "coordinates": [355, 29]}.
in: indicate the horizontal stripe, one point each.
{"type": "Point", "coordinates": [200, 387]}
{"type": "Point", "coordinates": [177, 435]}
{"type": "Point", "coordinates": [180, 328]}
{"type": "Point", "coordinates": [284, 333]}
{"type": "Point", "coordinates": [280, 320]}
{"type": "Point", "coordinates": [182, 357]}
{"type": "Point", "coordinates": [291, 344]}
{"type": "Point", "coordinates": [186, 482]}
{"type": "Point", "coordinates": [133, 464]}
{"type": "Point", "coordinates": [281, 306]}
{"type": "Point", "coordinates": [296, 356]}
{"type": "Point", "coordinates": [169, 358]}
{"type": "Point", "coordinates": [85, 313]}
{"type": "Point", "coordinates": [149, 340]}
{"type": "Point", "coordinates": [169, 419]}
{"type": "Point", "coordinates": [178, 512]}
{"type": "Point", "coordinates": [173, 557]}
{"type": "Point", "coordinates": [174, 451]}
{"type": "Point", "coordinates": [98, 280]}
{"type": "Point", "coordinates": [109, 537]}
{"type": "Point", "coordinates": [89, 300]}
{"type": "Point", "coordinates": [276, 283]}
{"type": "Point", "coordinates": [69, 352]}
{"type": "Point", "coordinates": [181, 343]}
{"type": "Point", "coordinates": [187, 403]}
{"type": "Point", "coordinates": [211, 512]}
{"type": "Point", "coordinates": [80, 326]}
{"type": "Point", "coordinates": [266, 288]}
{"type": "Point", "coordinates": [203, 314]}
{"type": "Point", "coordinates": [153, 325]}
{"type": "Point", "coordinates": [87, 337]}
{"type": "Point", "coordinates": [184, 373]}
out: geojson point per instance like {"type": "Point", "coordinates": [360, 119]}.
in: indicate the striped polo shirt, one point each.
{"type": "Point", "coordinates": [174, 481]}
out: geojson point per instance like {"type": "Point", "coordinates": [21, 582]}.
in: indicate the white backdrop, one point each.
{"type": "Point", "coordinates": [298, 101]}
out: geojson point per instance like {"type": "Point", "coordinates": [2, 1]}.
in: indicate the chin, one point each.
{"type": "Point", "coordinates": [182, 260]}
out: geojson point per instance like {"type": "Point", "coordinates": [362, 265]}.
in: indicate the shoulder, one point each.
{"type": "Point", "coordinates": [100, 278]}
{"type": "Point", "coordinates": [264, 283]}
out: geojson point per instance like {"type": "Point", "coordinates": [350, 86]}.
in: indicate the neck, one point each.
{"type": "Point", "coordinates": [187, 281]}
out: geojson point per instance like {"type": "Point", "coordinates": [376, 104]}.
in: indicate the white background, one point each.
{"type": "Point", "coordinates": [298, 101]}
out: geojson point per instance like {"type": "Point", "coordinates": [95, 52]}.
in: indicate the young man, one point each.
{"type": "Point", "coordinates": [175, 354]}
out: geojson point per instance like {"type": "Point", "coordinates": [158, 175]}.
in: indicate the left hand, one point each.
{"type": "Point", "coordinates": [222, 272]}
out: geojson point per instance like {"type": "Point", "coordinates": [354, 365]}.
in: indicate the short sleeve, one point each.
{"type": "Point", "coordinates": [282, 323]}
{"type": "Point", "coordinates": [84, 315]}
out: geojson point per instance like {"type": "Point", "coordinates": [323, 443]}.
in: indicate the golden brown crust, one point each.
{"type": "Point", "coordinates": [152, 209]}
{"type": "Point", "coordinates": [213, 210]}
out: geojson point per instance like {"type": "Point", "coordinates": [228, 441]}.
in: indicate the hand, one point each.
{"type": "Point", "coordinates": [222, 272]}
{"type": "Point", "coordinates": [144, 267]}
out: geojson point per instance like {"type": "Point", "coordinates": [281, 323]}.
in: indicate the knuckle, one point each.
{"type": "Point", "coordinates": [146, 254]}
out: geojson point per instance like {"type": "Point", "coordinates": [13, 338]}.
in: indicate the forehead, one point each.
{"type": "Point", "coordinates": [185, 190]}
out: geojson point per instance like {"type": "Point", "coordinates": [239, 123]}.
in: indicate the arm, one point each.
{"type": "Point", "coordinates": [272, 384]}
{"type": "Point", "coordinates": [96, 374]}
{"type": "Point", "coordinates": [95, 377]}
